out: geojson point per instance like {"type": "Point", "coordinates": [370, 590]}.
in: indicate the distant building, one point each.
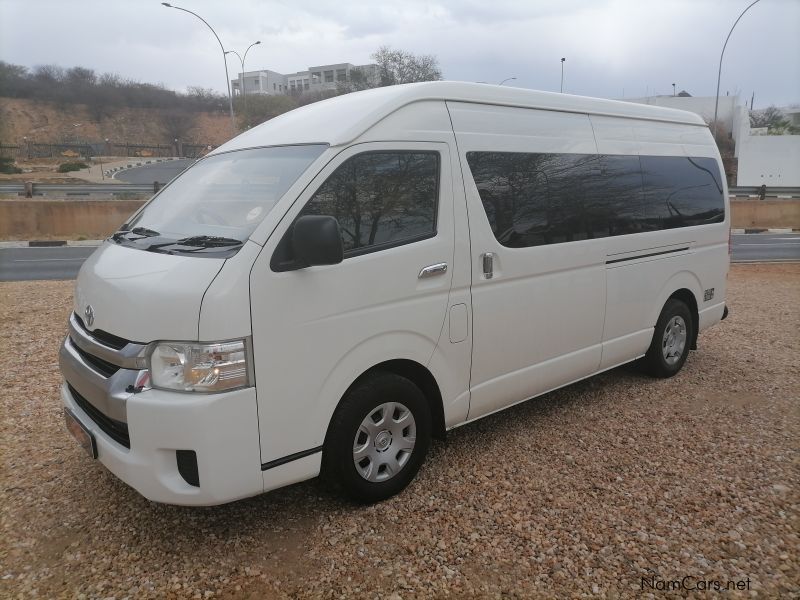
{"type": "Point", "coordinates": [763, 159]}
{"type": "Point", "coordinates": [729, 113]}
{"type": "Point", "coordinates": [323, 77]}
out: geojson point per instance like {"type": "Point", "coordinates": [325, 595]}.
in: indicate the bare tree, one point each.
{"type": "Point", "coordinates": [176, 124]}
{"type": "Point", "coordinates": [773, 119]}
{"type": "Point", "coordinates": [399, 66]}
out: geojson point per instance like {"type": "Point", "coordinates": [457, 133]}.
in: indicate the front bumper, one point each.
{"type": "Point", "coordinates": [222, 429]}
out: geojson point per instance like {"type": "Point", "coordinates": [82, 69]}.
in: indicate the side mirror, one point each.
{"type": "Point", "coordinates": [317, 240]}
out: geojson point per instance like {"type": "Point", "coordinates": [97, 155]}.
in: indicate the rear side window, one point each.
{"type": "Point", "coordinates": [680, 191]}
{"type": "Point", "coordinates": [381, 199]}
{"type": "Point", "coordinates": [533, 199]}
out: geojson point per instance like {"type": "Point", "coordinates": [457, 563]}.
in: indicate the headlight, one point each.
{"type": "Point", "coordinates": [193, 367]}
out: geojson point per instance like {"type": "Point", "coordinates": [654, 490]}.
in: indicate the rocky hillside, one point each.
{"type": "Point", "coordinates": [47, 122]}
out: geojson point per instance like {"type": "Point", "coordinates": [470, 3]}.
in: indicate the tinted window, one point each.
{"type": "Point", "coordinates": [617, 192]}
{"type": "Point", "coordinates": [681, 191]}
{"type": "Point", "coordinates": [534, 199]}
{"type": "Point", "coordinates": [381, 198]}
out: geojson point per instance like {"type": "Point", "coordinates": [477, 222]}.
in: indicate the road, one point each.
{"type": "Point", "coordinates": [162, 172]}
{"type": "Point", "coordinates": [21, 264]}
{"type": "Point", "coordinates": [758, 247]}
{"type": "Point", "coordinates": [25, 264]}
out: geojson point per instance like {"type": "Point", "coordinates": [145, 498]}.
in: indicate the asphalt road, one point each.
{"type": "Point", "coordinates": [24, 264]}
{"type": "Point", "coordinates": [757, 247]}
{"type": "Point", "coordinates": [20, 264]}
{"type": "Point", "coordinates": [162, 172]}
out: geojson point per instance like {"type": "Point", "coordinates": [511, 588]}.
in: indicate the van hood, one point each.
{"type": "Point", "coordinates": [143, 296]}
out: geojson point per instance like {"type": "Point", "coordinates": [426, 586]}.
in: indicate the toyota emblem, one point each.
{"type": "Point", "coordinates": [89, 314]}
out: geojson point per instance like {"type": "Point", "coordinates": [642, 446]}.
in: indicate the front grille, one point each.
{"type": "Point", "coordinates": [116, 430]}
{"type": "Point", "coordinates": [105, 338]}
{"type": "Point", "coordinates": [103, 367]}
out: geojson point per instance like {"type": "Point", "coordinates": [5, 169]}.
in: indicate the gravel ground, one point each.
{"type": "Point", "coordinates": [580, 493]}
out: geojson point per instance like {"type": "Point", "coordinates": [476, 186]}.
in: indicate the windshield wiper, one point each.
{"type": "Point", "coordinates": [208, 241]}
{"type": "Point", "coordinates": [140, 231]}
{"type": "Point", "coordinates": [145, 232]}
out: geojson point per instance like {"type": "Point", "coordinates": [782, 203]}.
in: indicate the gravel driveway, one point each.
{"type": "Point", "coordinates": [582, 492]}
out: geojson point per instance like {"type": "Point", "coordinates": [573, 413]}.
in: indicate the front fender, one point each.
{"type": "Point", "coordinates": [386, 346]}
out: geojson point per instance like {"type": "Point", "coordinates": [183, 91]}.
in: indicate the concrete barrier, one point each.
{"type": "Point", "coordinates": [96, 219]}
{"type": "Point", "coordinates": [767, 214]}
{"type": "Point", "coordinates": [64, 219]}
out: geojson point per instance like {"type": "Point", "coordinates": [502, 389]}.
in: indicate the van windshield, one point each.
{"type": "Point", "coordinates": [214, 206]}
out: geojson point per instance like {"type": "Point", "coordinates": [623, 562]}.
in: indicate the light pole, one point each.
{"type": "Point", "coordinates": [562, 74]}
{"type": "Point", "coordinates": [673, 90]}
{"type": "Point", "coordinates": [100, 158]}
{"type": "Point", "coordinates": [507, 79]}
{"type": "Point", "coordinates": [719, 73]}
{"type": "Point", "coordinates": [224, 58]}
{"type": "Point", "coordinates": [244, 83]}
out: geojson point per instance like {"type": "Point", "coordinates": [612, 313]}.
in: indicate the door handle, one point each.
{"type": "Point", "coordinates": [488, 265]}
{"type": "Point", "coordinates": [431, 270]}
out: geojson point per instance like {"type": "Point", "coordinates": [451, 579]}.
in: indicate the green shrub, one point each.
{"type": "Point", "coordinates": [71, 166]}
{"type": "Point", "coordinates": [7, 166]}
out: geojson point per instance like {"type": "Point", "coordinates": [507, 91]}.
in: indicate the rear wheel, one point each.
{"type": "Point", "coordinates": [672, 338]}
{"type": "Point", "coordinates": [378, 437]}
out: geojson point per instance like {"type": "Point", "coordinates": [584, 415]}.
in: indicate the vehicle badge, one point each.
{"type": "Point", "coordinates": [89, 314]}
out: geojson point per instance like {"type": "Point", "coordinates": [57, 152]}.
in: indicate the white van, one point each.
{"type": "Point", "coordinates": [329, 290]}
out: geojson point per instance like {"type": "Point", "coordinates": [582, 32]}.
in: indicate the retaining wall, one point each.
{"type": "Point", "coordinates": [96, 219]}
{"type": "Point", "coordinates": [63, 219]}
{"type": "Point", "coordinates": [767, 214]}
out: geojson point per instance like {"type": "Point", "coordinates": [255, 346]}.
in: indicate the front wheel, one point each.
{"type": "Point", "coordinates": [378, 437]}
{"type": "Point", "coordinates": [672, 338]}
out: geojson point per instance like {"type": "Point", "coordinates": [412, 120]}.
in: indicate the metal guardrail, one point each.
{"type": "Point", "coordinates": [84, 189]}
{"type": "Point", "coordinates": [79, 189]}
{"type": "Point", "coordinates": [772, 192]}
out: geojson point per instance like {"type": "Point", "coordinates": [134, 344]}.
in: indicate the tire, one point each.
{"type": "Point", "coordinates": [672, 339]}
{"type": "Point", "coordinates": [389, 450]}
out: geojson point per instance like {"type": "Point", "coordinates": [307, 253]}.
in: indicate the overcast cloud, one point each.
{"type": "Point", "coordinates": [612, 47]}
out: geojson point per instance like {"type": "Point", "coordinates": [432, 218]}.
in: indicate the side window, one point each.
{"type": "Point", "coordinates": [381, 199]}
{"type": "Point", "coordinates": [619, 192]}
{"type": "Point", "coordinates": [680, 191]}
{"type": "Point", "coordinates": [535, 199]}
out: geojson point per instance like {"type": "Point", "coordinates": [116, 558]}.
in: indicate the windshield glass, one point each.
{"type": "Point", "coordinates": [218, 202]}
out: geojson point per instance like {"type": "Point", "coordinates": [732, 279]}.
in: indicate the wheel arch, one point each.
{"type": "Point", "coordinates": [686, 287]}
{"type": "Point", "coordinates": [420, 376]}
{"type": "Point", "coordinates": [687, 297]}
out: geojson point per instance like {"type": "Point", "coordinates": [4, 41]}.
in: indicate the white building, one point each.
{"type": "Point", "coordinates": [319, 78]}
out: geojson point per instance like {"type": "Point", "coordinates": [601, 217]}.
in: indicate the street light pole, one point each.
{"type": "Point", "coordinates": [224, 58]}
{"type": "Point", "coordinates": [244, 84]}
{"type": "Point", "coordinates": [673, 90]}
{"type": "Point", "coordinates": [719, 72]}
{"type": "Point", "coordinates": [507, 79]}
{"type": "Point", "coordinates": [562, 74]}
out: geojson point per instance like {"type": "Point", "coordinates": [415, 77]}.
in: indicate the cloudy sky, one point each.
{"type": "Point", "coordinates": [614, 48]}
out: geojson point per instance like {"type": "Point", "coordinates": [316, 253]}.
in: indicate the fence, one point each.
{"type": "Point", "coordinates": [86, 150]}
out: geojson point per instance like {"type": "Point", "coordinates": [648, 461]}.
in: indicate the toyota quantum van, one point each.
{"type": "Point", "coordinates": [327, 291]}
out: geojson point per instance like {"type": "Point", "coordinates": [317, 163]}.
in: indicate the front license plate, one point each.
{"type": "Point", "coordinates": [80, 433]}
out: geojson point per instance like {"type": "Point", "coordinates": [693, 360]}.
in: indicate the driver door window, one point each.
{"type": "Point", "coordinates": [381, 199]}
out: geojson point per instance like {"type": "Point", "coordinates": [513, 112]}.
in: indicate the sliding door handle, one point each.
{"type": "Point", "coordinates": [488, 265]}
{"type": "Point", "coordinates": [431, 270]}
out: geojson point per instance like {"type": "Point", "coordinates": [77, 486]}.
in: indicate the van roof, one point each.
{"type": "Point", "coordinates": [342, 119]}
